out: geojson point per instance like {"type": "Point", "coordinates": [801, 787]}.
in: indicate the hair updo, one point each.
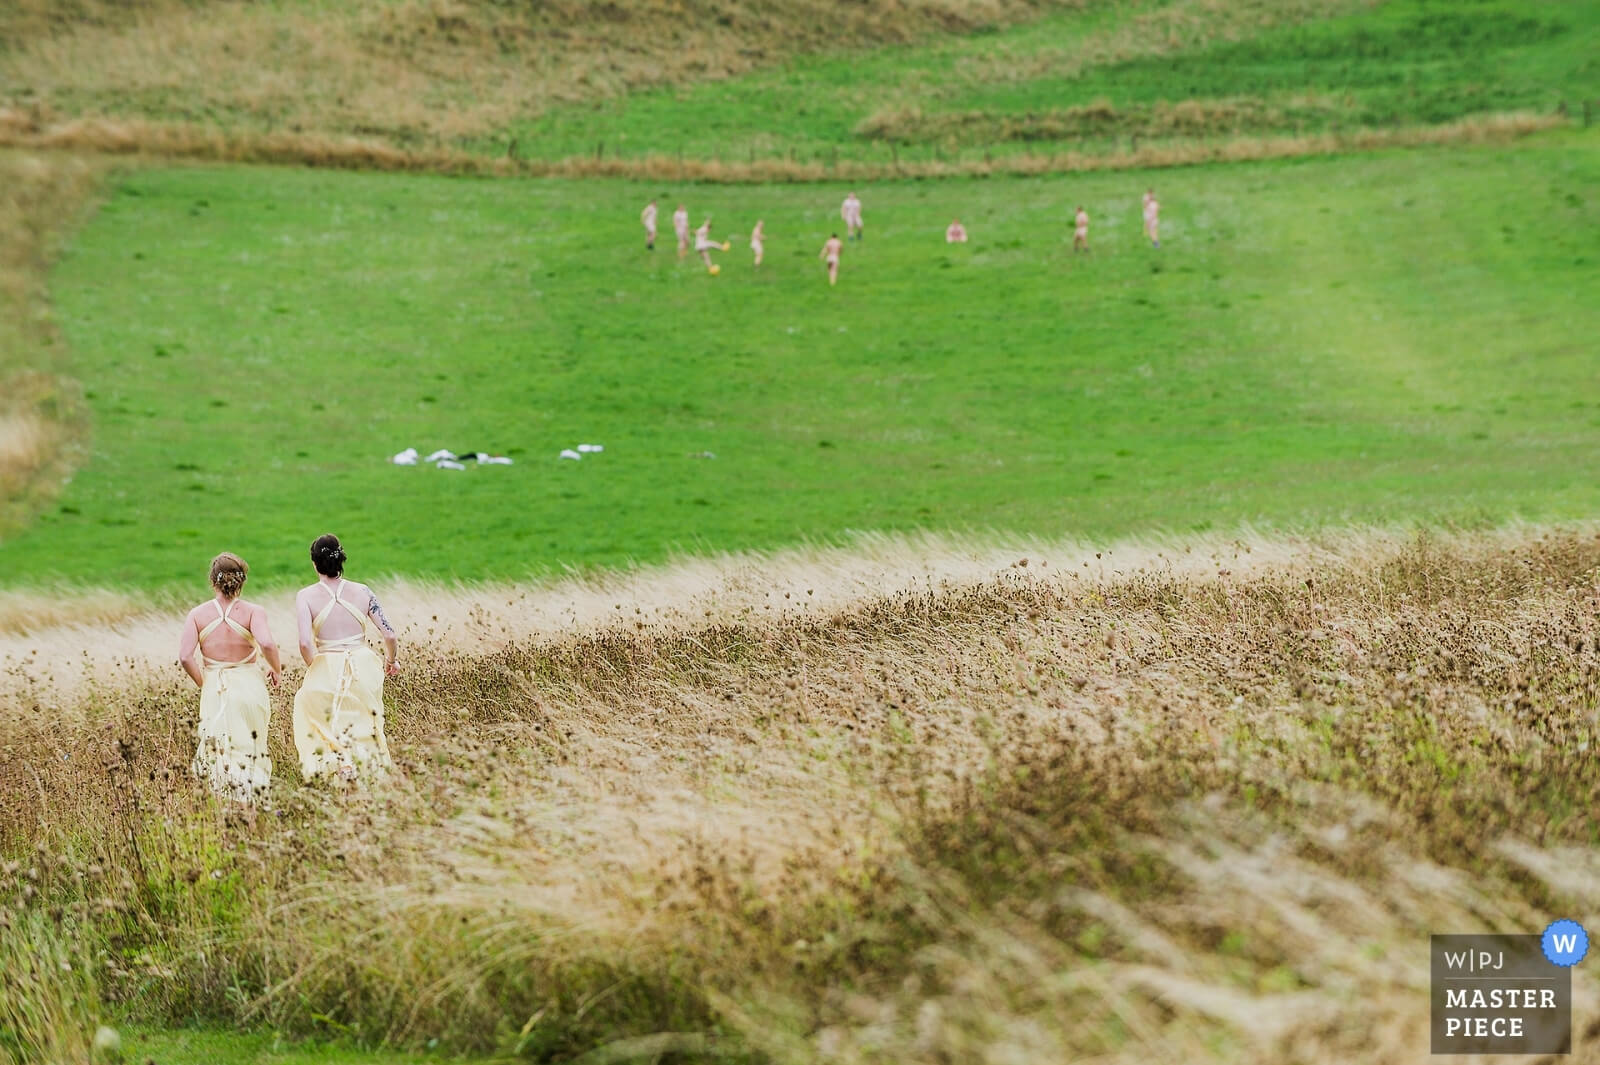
{"type": "Point", "coordinates": [228, 572]}
{"type": "Point", "coordinates": [327, 555]}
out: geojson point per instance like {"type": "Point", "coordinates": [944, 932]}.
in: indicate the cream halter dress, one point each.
{"type": "Point", "coordinates": [338, 711]}
{"type": "Point", "coordinates": [234, 713]}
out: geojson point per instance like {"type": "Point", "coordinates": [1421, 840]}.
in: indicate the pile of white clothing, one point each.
{"type": "Point", "coordinates": [581, 450]}
{"type": "Point", "coordinates": [444, 459]}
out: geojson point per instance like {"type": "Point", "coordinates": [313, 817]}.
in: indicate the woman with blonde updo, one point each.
{"type": "Point", "coordinates": [338, 711]}
{"type": "Point", "coordinates": [223, 642]}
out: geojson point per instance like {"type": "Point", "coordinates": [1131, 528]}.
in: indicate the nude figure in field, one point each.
{"type": "Point", "coordinates": [830, 254]}
{"type": "Point", "coordinates": [680, 227]}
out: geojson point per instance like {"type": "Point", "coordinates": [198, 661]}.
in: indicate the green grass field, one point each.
{"type": "Point", "coordinates": [1086, 80]}
{"type": "Point", "coordinates": [1378, 338]}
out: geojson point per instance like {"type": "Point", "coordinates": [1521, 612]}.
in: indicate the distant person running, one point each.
{"type": "Point", "coordinates": [850, 211]}
{"type": "Point", "coordinates": [705, 245]}
{"type": "Point", "coordinates": [1080, 230]}
{"type": "Point", "coordinates": [647, 217]}
{"type": "Point", "coordinates": [830, 253]}
{"type": "Point", "coordinates": [680, 226]}
{"type": "Point", "coordinates": [231, 638]}
{"type": "Point", "coordinates": [1152, 217]}
{"type": "Point", "coordinates": [758, 240]}
{"type": "Point", "coordinates": [338, 711]}
{"type": "Point", "coordinates": [955, 232]}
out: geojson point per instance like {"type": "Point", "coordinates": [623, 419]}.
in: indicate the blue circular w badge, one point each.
{"type": "Point", "coordinates": [1564, 943]}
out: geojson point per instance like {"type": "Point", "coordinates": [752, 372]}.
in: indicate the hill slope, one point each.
{"type": "Point", "coordinates": [420, 70]}
{"type": "Point", "coordinates": [762, 80]}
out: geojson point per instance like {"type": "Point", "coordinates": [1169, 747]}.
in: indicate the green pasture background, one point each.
{"type": "Point", "coordinates": [1395, 337]}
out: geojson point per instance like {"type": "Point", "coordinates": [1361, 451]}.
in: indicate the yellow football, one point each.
{"type": "Point", "coordinates": [715, 269]}
{"type": "Point", "coordinates": [727, 245]}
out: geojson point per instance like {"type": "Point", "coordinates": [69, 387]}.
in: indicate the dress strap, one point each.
{"type": "Point", "coordinates": [338, 597]}
{"type": "Point", "coordinates": [322, 615]}
{"type": "Point", "coordinates": [225, 616]}
{"type": "Point", "coordinates": [234, 625]}
{"type": "Point", "coordinates": [211, 626]}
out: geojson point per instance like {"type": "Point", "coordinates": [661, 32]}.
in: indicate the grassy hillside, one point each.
{"type": "Point", "coordinates": [1207, 808]}
{"type": "Point", "coordinates": [1101, 78]}
{"type": "Point", "coordinates": [799, 83]}
{"type": "Point", "coordinates": [411, 71]}
{"type": "Point", "coordinates": [1379, 338]}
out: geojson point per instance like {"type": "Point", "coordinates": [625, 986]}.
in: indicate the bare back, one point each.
{"type": "Point", "coordinates": [224, 643]}
{"type": "Point", "coordinates": [338, 623]}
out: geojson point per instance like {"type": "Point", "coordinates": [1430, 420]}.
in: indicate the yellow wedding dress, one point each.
{"type": "Point", "coordinates": [234, 713]}
{"type": "Point", "coordinates": [338, 711]}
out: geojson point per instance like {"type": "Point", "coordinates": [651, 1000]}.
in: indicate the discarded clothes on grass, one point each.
{"type": "Point", "coordinates": [445, 459]}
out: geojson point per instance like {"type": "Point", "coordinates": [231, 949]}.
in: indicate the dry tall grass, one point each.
{"type": "Point", "coordinates": [1186, 118]}
{"type": "Point", "coordinates": [1204, 807]}
{"type": "Point", "coordinates": [41, 412]}
{"type": "Point", "coordinates": [151, 140]}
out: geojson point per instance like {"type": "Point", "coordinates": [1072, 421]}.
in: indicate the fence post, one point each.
{"type": "Point", "coordinates": [1588, 106]}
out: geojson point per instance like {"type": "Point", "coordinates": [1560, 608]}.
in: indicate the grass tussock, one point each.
{"type": "Point", "coordinates": [42, 421]}
{"type": "Point", "coordinates": [1205, 808]}
{"type": "Point", "coordinates": [1186, 118]}
{"type": "Point", "coordinates": [142, 138]}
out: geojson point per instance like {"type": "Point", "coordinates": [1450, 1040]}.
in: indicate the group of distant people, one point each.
{"type": "Point", "coordinates": [956, 233]}
{"type": "Point", "coordinates": [704, 244]}
{"type": "Point", "coordinates": [338, 711]}
{"type": "Point", "coordinates": [855, 229]}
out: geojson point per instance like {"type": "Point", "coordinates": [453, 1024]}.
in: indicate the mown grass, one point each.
{"type": "Point", "coordinates": [1093, 80]}
{"type": "Point", "coordinates": [1387, 338]}
{"type": "Point", "coordinates": [1202, 809]}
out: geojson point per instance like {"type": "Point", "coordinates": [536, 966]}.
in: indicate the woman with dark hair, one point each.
{"type": "Point", "coordinates": [338, 711]}
{"type": "Point", "coordinates": [223, 642]}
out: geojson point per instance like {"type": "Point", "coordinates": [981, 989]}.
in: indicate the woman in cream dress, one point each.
{"type": "Point", "coordinates": [223, 643]}
{"type": "Point", "coordinates": [338, 711]}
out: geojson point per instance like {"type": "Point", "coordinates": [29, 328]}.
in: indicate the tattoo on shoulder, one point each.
{"type": "Point", "coordinates": [377, 613]}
